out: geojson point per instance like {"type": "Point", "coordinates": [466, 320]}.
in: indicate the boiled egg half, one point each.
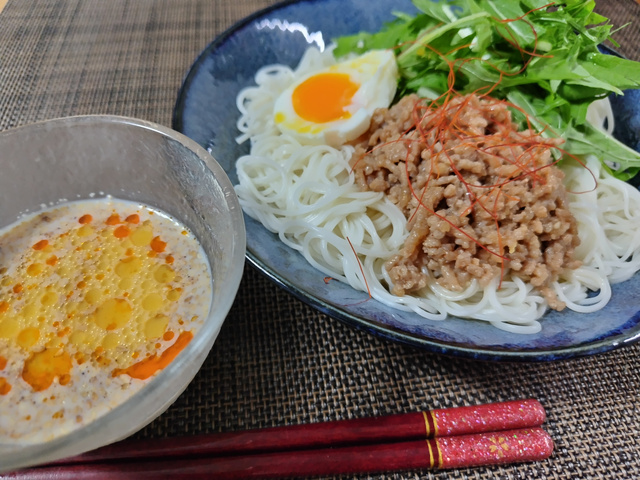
{"type": "Point", "coordinates": [334, 105]}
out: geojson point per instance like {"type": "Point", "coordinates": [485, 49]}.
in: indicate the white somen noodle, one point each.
{"type": "Point", "coordinates": [307, 195]}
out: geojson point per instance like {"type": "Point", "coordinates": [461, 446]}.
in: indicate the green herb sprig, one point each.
{"type": "Point", "coordinates": [542, 57]}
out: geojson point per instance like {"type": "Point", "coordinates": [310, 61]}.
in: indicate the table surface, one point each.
{"type": "Point", "coordinates": [278, 361]}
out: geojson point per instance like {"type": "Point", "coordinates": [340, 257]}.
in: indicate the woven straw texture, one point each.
{"type": "Point", "coordinates": [277, 361]}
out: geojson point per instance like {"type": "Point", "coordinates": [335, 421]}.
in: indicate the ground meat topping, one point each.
{"type": "Point", "coordinates": [482, 199]}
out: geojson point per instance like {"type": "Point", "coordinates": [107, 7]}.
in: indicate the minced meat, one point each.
{"type": "Point", "coordinates": [491, 200]}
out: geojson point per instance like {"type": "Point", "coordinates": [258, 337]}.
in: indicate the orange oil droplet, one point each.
{"type": "Point", "coordinates": [104, 361]}
{"type": "Point", "coordinates": [168, 336]}
{"type": "Point", "coordinates": [17, 288]}
{"type": "Point", "coordinates": [84, 219]}
{"type": "Point", "coordinates": [158, 245]}
{"type": "Point", "coordinates": [52, 260]}
{"type": "Point", "coordinates": [41, 244]}
{"type": "Point", "coordinates": [134, 218]}
{"type": "Point", "coordinates": [129, 252]}
{"type": "Point", "coordinates": [34, 269]}
{"type": "Point", "coordinates": [5, 387]}
{"type": "Point", "coordinates": [150, 365]}
{"type": "Point", "coordinates": [28, 337]}
{"type": "Point", "coordinates": [114, 219]}
{"type": "Point", "coordinates": [4, 306]}
{"type": "Point", "coordinates": [169, 259]}
{"type": "Point", "coordinates": [3, 362]}
{"type": "Point", "coordinates": [122, 231]}
{"type": "Point", "coordinates": [113, 313]}
{"type": "Point", "coordinates": [81, 284]}
{"type": "Point", "coordinates": [42, 368]}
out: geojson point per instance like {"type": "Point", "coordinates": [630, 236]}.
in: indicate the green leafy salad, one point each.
{"type": "Point", "coordinates": [541, 57]}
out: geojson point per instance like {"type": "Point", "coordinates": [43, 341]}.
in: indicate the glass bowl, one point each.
{"type": "Point", "coordinates": [92, 156]}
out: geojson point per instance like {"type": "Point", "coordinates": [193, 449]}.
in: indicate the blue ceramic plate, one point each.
{"type": "Point", "coordinates": [206, 112]}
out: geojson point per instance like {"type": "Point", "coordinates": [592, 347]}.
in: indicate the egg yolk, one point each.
{"type": "Point", "coordinates": [323, 97]}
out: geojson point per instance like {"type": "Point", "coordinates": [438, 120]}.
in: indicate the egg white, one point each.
{"type": "Point", "coordinates": [376, 75]}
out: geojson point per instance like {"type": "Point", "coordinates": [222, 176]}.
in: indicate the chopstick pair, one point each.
{"type": "Point", "coordinates": [461, 437]}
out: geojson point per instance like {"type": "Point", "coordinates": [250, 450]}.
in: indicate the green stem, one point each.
{"type": "Point", "coordinates": [427, 37]}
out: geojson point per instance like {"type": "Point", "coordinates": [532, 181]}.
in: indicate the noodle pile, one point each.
{"type": "Point", "coordinates": [308, 196]}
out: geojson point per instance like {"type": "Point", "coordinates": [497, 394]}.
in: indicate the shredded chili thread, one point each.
{"type": "Point", "coordinates": [485, 197]}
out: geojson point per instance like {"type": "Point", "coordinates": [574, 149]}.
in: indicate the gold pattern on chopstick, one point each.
{"type": "Point", "coordinates": [499, 445]}
{"type": "Point", "coordinates": [426, 424]}
{"type": "Point", "coordinates": [435, 455]}
{"type": "Point", "coordinates": [430, 424]}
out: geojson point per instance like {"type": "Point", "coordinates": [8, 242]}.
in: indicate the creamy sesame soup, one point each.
{"type": "Point", "coordinates": [95, 297]}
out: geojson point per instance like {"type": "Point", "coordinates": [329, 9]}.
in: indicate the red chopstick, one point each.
{"type": "Point", "coordinates": [445, 438]}
{"type": "Point", "coordinates": [461, 451]}
{"type": "Point", "coordinates": [384, 429]}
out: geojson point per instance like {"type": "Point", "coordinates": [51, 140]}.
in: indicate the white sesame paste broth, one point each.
{"type": "Point", "coordinates": [96, 297]}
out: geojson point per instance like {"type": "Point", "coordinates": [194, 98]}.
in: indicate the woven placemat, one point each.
{"type": "Point", "coordinates": [278, 361]}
